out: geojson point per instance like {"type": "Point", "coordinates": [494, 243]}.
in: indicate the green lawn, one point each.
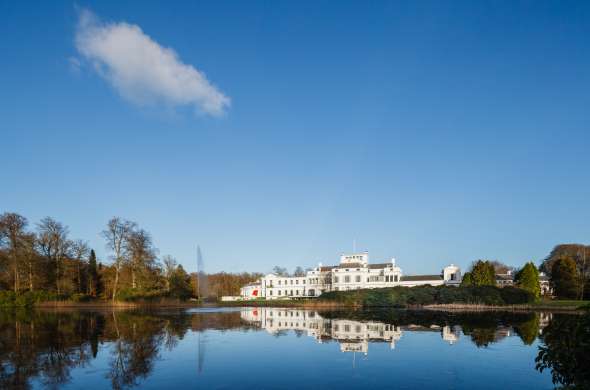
{"type": "Point", "coordinates": [562, 303]}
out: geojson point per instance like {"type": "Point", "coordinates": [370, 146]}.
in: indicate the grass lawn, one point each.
{"type": "Point", "coordinates": [562, 303]}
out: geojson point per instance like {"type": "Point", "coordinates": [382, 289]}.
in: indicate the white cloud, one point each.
{"type": "Point", "coordinates": [142, 70]}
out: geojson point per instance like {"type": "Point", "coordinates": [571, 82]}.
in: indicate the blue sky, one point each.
{"type": "Point", "coordinates": [433, 132]}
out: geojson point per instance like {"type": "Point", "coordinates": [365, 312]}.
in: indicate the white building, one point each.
{"type": "Point", "coordinates": [353, 273]}
{"type": "Point", "coordinates": [250, 291]}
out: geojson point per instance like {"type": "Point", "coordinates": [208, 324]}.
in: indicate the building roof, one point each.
{"type": "Point", "coordinates": [350, 265]}
{"type": "Point", "coordinates": [327, 267]}
{"type": "Point", "coordinates": [420, 278]}
{"type": "Point", "coordinates": [381, 265]}
{"type": "Point", "coordinates": [504, 277]}
{"type": "Point", "coordinates": [544, 278]}
{"type": "Point", "coordinates": [360, 265]}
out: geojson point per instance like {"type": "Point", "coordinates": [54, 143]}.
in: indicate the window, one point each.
{"type": "Point", "coordinates": [291, 295]}
{"type": "Point", "coordinates": [347, 279]}
{"type": "Point", "coordinates": [358, 278]}
{"type": "Point", "coordinates": [335, 279]}
{"type": "Point", "coordinates": [291, 281]}
{"type": "Point", "coordinates": [279, 282]}
{"type": "Point", "coordinates": [279, 294]}
{"type": "Point", "coordinates": [270, 292]}
{"type": "Point", "coordinates": [395, 278]}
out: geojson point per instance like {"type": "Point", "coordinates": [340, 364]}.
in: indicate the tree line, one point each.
{"type": "Point", "coordinates": [45, 258]}
{"type": "Point", "coordinates": [567, 266]}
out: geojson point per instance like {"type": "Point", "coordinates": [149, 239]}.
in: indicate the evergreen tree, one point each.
{"type": "Point", "coordinates": [92, 274]}
{"type": "Point", "coordinates": [180, 284]}
{"type": "Point", "coordinates": [483, 273]}
{"type": "Point", "coordinates": [467, 280]}
{"type": "Point", "coordinates": [528, 279]}
{"type": "Point", "coordinates": [564, 278]}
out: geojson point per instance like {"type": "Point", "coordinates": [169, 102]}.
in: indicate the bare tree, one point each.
{"type": "Point", "coordinates": [142, 254]}
{"type": "Point", "coordinates": [280, 271]}
{"type": "Point", "coordinates": [117, 236]}
{"type": "Point", "coordinates": [299, 271]}
{"type": "Point", "coordinates": [53, 242]}
{"type": "Point", "coordinates": [80, 251]}
{"type": "Point", "coordinates": [12, 231]}
{"type": "Point", "coordinates": [500, 267]}
{"type": "Point", "coordinates": [30, 258]}
{"type": "Point", "coordinates": [169, 268]}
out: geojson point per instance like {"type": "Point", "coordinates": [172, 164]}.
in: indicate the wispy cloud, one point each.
{"type": "Point", "coordinates": [141, 70]}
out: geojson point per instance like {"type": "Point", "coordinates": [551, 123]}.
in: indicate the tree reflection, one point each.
{"type": "Point", "coordinates": [136, 348]}
{"type": "Point", "coordinates": [566, 351]}
{"type": "Point", "coordinates": [528, 330]}
{"type": "Point", "coordinates": [46, 345]}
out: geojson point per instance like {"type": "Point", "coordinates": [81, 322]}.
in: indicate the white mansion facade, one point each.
{"type": "Point", "coordinates": [353, 273]}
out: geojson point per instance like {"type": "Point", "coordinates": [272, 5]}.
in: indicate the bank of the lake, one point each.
{"type": "Point", "coordinates": [440, 297]}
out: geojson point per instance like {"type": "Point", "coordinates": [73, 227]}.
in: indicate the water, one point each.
{"type": "Point", "coordinates": [259, 348]}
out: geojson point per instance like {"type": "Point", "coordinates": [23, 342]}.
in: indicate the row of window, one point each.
{"type": "Point", "coordinates": [357, 279]}
{"type": "Point", "coordinates": [286, 292]}
{"type": "Point", "coordinates": [285, 282]}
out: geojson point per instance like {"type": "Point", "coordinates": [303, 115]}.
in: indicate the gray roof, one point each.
{"type": "Point", "coordinates": [420, 278]}
{"type": "Point", "coordinates": [350, 265]}
{"type": "Point", "coordinates": [360, 265]}
{"type": "Point", "coordinates": [382, 265]}
{"type": "Point", "coordinates": [504, 277]}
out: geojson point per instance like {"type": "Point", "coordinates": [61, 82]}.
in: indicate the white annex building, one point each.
{"type": "Point", "coordinates": [353, 273]}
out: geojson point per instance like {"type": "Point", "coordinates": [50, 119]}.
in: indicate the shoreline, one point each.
{"type": "Point", "coordinates": [553, 306]}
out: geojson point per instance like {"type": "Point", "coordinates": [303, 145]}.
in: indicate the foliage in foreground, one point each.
{"type": "Point", "coordinates": [27, 299]}
{"type": "Point", "coordinates": [429, 295]}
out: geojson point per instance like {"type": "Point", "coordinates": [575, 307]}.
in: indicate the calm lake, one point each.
{"type": "Point", "coordinates": [260, 348]}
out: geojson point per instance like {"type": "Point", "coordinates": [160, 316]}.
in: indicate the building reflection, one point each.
{"type": "Point", "coordinates": [352, 335]}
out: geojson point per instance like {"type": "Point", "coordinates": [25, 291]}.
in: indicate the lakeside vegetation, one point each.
{"type": "Point", "coordinates": [427, 295]}
{"type": "Point", "coordinates": [44, 264]}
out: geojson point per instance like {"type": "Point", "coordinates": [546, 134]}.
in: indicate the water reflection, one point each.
{"type": "Point", "coordinates": [43, 348]}
{"type": "Point", "coordinates": [566, 351]}
{"type": "Point", "coordinates": [352, 335]}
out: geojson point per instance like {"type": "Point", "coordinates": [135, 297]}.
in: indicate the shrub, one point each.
{"type": "Point", "coordinates": [136, 295]}
{"type": "Point", "coordinates": [80, 298]}
{"type": "Point", "coordinates": [427, 295]}
{"type": "Point", "coordinates": [25, 299]}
